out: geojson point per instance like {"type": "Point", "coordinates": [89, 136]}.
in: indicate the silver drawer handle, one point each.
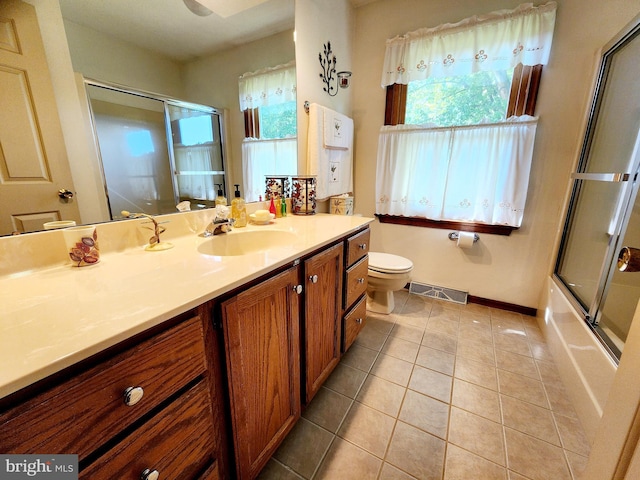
{"type": "Point", "coordinates": [313, 278]}
{"type": "Point", "coordinates": [358, 320]}
{"type": "Point", "coordinates": [133, 395]}
{"type": "Point", "coordinates": [297, 289]}
{"type": "Point", "coordinates": [150, 475]}
{"type": "Point", "coordinates": [361, 280]}
{"type": "Point", "coordinates": [362, 246]}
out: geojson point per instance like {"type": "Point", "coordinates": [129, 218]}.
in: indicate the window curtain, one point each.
{"type": "Point", "coordinates": [197, 160]}
{"type": "Point", "coordinates": [269, 86]}
{"type": "Point", "coordinates": [495, 41]}
{"type": "Point", "coordinates": [470, 174]}
{"type": "Point", "coordinates": [266, 157]}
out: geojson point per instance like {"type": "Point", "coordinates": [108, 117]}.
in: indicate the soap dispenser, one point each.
{"type": "Point", "coordinates": [238, 209]}
{"type": "Point", "coordinates": [220, 199]}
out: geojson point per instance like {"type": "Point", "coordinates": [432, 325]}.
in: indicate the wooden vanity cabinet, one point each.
{"type": "Point", "coordinates": [355, 286]}
{"type": "Point", "coordinates": [144, 406]}
{"type": "Point", "coordinates": [322, 314]}
{"type": "Point", "coordinates": [262, 346]}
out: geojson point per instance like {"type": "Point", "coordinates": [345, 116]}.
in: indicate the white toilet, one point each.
{"type": "Point", "coordinates": [387, 273]}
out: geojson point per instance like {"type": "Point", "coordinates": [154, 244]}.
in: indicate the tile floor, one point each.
{"type": "Point", "coordinates": [438, 390]}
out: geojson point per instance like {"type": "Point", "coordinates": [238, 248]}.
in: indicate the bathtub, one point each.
{"type": "Point", "coordinates": [584, 365]}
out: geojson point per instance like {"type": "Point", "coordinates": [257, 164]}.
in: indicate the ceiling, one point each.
{"type": "Point", "coordinates": [168, 26]}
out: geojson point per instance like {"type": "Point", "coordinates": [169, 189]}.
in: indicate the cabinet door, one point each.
{"type": "Point", "coordinates": [322, 313]}
{"type": "Point", "coordinates": [261, 333]}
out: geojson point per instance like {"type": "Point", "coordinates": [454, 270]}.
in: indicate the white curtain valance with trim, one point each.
{"type": "Point", "coordinates": [495, 41]}
{"type": "Point", "coordinates": [269, 86]}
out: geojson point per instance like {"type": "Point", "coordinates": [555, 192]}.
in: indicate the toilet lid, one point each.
{"type": "Point", "coordinates": [388, 263]}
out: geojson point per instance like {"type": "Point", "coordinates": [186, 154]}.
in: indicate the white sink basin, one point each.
{"type": "Point", "coordinates": [237, 243]}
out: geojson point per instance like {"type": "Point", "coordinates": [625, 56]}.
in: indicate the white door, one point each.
{"type": "Point", "coordinates": [33, 157]}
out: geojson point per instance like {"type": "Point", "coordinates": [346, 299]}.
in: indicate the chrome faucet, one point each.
{"type": "Point", "coordinates": [218, 226]}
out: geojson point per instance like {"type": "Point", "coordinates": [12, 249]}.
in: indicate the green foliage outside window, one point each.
{"type": "Point", "coordinates": [278, 121]}
{"type": "Point", "coordinates": [481, 97]}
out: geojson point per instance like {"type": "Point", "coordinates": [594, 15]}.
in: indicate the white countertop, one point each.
{"type": "Point", "coordinates": [53, 317]}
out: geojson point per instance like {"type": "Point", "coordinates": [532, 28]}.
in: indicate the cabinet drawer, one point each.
{"type": "Point", "coordinates": [78, 415]}
{"type": "Point", "coordinates": [353, 322]}
{"type": "Point", "coordinates": [212, 473]}
{"type": "Point", "coordinates": [356, 281]}
{"type": "Point", "coordinates": [177, 442]}
{"type": "Point", "coordinates": [357, 246]}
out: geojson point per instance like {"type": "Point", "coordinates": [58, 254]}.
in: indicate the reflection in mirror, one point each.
{"type": "Point", "coordinates": [160, 46]}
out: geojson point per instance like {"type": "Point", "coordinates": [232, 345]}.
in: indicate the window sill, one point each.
{"type": "Point", "coordinates": [448, 225]}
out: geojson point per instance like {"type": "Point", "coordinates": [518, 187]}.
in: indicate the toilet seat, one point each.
{"type": "Point", "coordinates": [389, 263]}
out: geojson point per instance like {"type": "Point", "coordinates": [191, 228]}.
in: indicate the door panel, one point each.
{"type": "Point", "coordinates": [33, 157]}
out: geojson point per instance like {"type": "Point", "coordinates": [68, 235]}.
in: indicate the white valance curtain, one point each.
{"type": "Point", "coordinates": [496, 41]}
{"type": "Point", "coordinates": [260, 158]}
{"type": "Point", "coordinates": [491, 164]}
{"type": "Point", "coordinates": [269, 86]}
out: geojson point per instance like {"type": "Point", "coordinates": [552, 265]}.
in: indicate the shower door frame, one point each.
{"type": "Point", "coordinates": [624, 205]}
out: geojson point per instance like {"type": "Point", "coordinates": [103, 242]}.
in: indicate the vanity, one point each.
{"type": "Point", "coordinates": [193, 362]}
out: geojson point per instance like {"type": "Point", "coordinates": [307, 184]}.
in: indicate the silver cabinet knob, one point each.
{"type": "Point", "coordinates": [362, 246]}
{"type": "Point", "coordinates": [297, 289]}
{"type": "Point", "coordinates": [313, 278]}
{"type": "Point", "coordinates": [361, 280]}
{"type": "Point", "coordinates": [150, 475]}
{"type": "Point", "coordinates": [358, 320]}
{"type": "Point", "coordinates": [133, 395]}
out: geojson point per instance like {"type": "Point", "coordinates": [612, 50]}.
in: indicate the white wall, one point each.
{"type": "Point", "coordinates": [509, 269]}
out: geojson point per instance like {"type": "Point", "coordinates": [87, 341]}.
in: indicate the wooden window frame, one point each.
{"type": "Point", "coordinates": [522, 101]}
{"type": "Point", "coordinates": [251, 123]}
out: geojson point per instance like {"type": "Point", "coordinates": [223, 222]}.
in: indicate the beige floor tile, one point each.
{"type": "Point", "coordinates": [432, 383]}
{"type": "Point", "coordinates": [440, 341]}
{"type": "Point", "coordinates": [534, 334]}
{"type": "Point", "coordinates": [515, 476]}
{"type": "Point", "coordinates": [476, 350]}
{"type": "Point", "coordinates": [275, 470]}
{"type": "Point", "coordinates": [400, 348]}
{"type": "Point", "coordinates": [367, 428]}
{"type": "Point", "coordinates": [497, 313]}
{"type": "Point", "coordinates": [512, 343]}
{"type": "Point", "coordinates": [476, 308]}
{"type": "Point", "coordinates": [348, 462]}
{"type": "Point", "coordinates": [535, 459]}
{"type": "Point", "coordinates": [437, 360]}
{"type": "Point", "coordinates": [516, 363]}
{"type": "Point", "coordinates": [559, 400]}
{"type": "Point", "coordinates": [426, 413]}
{"type": "Point", "coordinates": [476, 399]}
{"type": "Point", "coordinates": [382, 395]}
{"type": "Point", "coordinates": [463, 465]}
{"type": "Point", "coordinates": [577, 464]}
{"type": "Point", "coordinates": [475, 331]}
{"type": "Point", "coordinates": [530, 419]}
{"type": "Point", "coordinates": [477, 435]}
{"type": "Point", "coordinates": [416, 306]}
{"type": "Point", "coordinates": [513, 326]}
{"type": "Point", "coordinates": [370, 338]}
{"type": "Point", "coordinates": [572, 434]}
{"type": "Point", "coordinates": [475, 316]}
{"type": "Point", "coordinates": [540, 351]}
{"type": "Point", "coordinates": [360, 357]}
{"type": "Point", "coordinates": [415, 320]}
{"type": "Point", "coordinates": [407, 332]}
{"type": "Point", "coordinates": [304, 448]}
{"type": "Point", "coordinates": [523, 388]}
{"type": "Point", "coordinates": [392, 369]}
{"type": "Point", "coordinates": [327, 409]}
{"type": "Point", "coordinates": [345, 380]}
{"type": "Point", "coordinates": [549, 373]}
{"type": "Point", "coordinates": [476, 372]}
{"type": "Point", "coordinates": [381, 323]}
{"type": "Point", "coordinates": [446, 324]}
{"type": "Point", "coordinates": [425, 462]}
{"type": "Point", "coordinates": [389, 472]}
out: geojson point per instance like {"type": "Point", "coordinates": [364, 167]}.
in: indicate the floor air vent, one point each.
{"type": "Point", "coordinates": [441, 293]}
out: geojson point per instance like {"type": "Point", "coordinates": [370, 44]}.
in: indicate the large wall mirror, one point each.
{"type": "Point", "coordinates": [175, 49]}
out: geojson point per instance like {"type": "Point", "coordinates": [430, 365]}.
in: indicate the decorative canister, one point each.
{"type": "Point", "coordinates": [82, 245]}
{"type": "Point", "coordinates": [303, 195]}
{"type": "Point", "coordinates": [276, 186]}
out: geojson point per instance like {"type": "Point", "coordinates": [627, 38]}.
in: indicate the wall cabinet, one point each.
{"type": "Point", "coordinates": [261, 333]}
{"type": "Point", "coordinates": [322, 314]}
{"type": "Point", "coordinates": [147, 407]}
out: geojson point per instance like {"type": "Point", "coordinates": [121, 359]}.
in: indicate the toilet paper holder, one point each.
{"type": "Point", "coordinates": [454, 236]}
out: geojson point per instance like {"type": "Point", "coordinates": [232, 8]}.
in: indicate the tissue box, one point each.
{"type": "Point", "coordinates": [341, 205]}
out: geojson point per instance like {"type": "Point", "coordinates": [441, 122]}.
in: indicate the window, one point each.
{"type": "Point", "coordinates": [458, 136]}
{"type": "Point", "coordinates": [268, 102]}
